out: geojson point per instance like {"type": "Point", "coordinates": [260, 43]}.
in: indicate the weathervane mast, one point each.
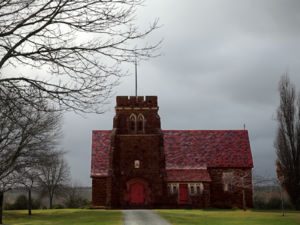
{"type": "Point", "coordinates": [135, 63]}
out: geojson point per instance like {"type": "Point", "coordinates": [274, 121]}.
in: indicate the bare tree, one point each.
{"type": "Point", "coordinates": [25, 135]}
{"type": "Point", "coordinates": [54, 175]}
{"type": "Point", "coordinates": [287, 141]}
{"type": "Point", "coordinates": [238, 183]}
{"type": "Point", "coordinates": [74, 196]}
{"type": "Point", "coordinates": [82, 43]}
{"type": "Point", "coordinates": [29, 178]}
{"type": "Point", "coordinates": [6, 184]}
{"type": "Point", "coordinates": [271, 182]}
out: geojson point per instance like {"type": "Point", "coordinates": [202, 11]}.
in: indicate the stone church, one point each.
{"type": "Point", "coordinates": [139, 165]}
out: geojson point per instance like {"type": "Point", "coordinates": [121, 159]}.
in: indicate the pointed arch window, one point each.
{"type": "Point", "coordinates": [173, 188]}
{"type": "Point", "coordinates": [136, 164]}
{"type": "Point", "coordinates": [132, 122]}
{"type": "Point", "coordinates": [141, 123]}
{"type": "Point", "coordinates": [196, 188]}
{"type": "Point", "coordinates": [200, 188]}
{"type": "Point", "coordinates": [228, 178]}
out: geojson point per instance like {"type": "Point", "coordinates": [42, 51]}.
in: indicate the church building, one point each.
{"type": "Point", "coordinates": [139, 165]}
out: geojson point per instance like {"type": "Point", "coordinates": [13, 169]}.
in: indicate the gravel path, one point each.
{"type": "Point", "coordinates": [143, 217]}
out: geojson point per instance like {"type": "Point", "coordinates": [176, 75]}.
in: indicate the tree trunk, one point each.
{"type": "Point", "coordinates": [244, 200]}
{"type": "Point", "coordinates": [281, 198]}
{"type": "Point", "coordinates": [50, 201]}
{"type": "Point", "coordinates": [1, 205]}
{"type": "Point", "coordinates": [29, 202]}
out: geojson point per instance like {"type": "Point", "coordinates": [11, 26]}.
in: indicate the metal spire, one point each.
{"type": "Point", "coordinates": [135, 63]}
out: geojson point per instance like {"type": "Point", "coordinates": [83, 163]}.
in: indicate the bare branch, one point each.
{"type": "Point", "coordinates": [55, 174]}
{"type": "Point", "coordinates": [81, 43]}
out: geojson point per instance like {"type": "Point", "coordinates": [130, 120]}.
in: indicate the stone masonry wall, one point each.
{"type": "Point", "coordinates": [129, 145]}
{"type": "Point", "coordinates": [234, 196]}
{"type": "Point", "coordinates": [99, 192]}
{"type": "Point", "coordinates": [195, 201]}
{"type": "Point", "coordinates": [146, 149]}
{"type": "Point", "coordinates": [203, 200]}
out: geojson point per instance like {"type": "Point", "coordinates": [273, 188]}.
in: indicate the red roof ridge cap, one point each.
{"type": "Point", "coordinates": [101, 130]}
{"type": "Point", "coordinates": [205, 130]}
{"type": "Point", "coordinates": [188, 169]}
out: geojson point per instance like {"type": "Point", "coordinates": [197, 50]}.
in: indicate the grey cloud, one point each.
{"type": "Point", "coordinates": [220, 69]}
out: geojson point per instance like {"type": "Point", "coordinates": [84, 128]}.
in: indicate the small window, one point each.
{"type": "Point", "coordinates": [137, 164]}
{"type": "Point", "coordinates": [174, 189]}
{"type": "Point", "coordinates": [141, 123]}
{"type": "Point", "coordinates": [226, 187]}
{"type": "Point", "coordinates": [227, 181]}
{"type": "Point", "coordinates": [132, 125]}
{"type": "Point", "coordinates": [199, 188]}
{"type": "Point", "coordinates": [169, 188]}
{"type": "Point", "coordinates": [192, 189]}
{"type": "Point", "coordinates": [132, 122]}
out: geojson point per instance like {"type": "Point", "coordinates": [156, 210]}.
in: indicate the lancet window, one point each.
{"type": "Point", "coordinates": [132, 122]}
{"type": "Point", "coordinates": [141, 123]}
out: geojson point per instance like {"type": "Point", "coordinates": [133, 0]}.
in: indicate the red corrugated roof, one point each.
{"type": "Point", "coordinates": [186, 149]}
{"type": "Point", "coordinates": [210, 148]}
{"type": "Point", "coordinates": [100, 153]}
{"type": "Point", "coordinates": [188, 175]}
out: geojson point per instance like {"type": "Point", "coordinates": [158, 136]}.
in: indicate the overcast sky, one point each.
{"type": "Point", "coordinates": [220, 68]}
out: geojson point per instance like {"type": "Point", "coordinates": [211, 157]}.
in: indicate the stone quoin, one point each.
{"type": "Point", "coordinates": [138, 165]}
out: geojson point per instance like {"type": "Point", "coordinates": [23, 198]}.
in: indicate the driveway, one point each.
{"type": "Point", "coordinates": [143, 217]}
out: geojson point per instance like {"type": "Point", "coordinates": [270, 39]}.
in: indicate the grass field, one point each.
{"type": "Point", "coordinates": [176, 217]}
{"type": "Point", "coordinates": [64, 217]}
{"type": "Point", "coordinates": [229, 217]}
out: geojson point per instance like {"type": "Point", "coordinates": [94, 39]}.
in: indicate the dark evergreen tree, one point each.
{"type": "Point", "coordinates": [287, 142]}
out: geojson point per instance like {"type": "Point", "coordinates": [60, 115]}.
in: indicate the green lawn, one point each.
{"type": "Point", "coordinates": [176, 217]}
{"type": "Point", "coordinates": [64, 217]}
{"type": "Point", "coordinates": [229, 217]}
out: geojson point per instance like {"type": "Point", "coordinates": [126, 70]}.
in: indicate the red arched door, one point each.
{"type": "Point", "coordinates": [137, 194]}
{"type": "Point", "coordinates": [183, 194]}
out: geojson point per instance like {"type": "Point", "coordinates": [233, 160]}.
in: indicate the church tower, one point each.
{"type": "Point", "coordinates": [137, 176]}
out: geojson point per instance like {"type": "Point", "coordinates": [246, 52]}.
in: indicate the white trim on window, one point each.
{"type": "Point", "coordinates": [173, 188]}
{"type": "Point", "coordinates": [227, 178]}
{"type": "Point", "coordinates": [195, 188]}
{"type": "Point", "coordinates": [136, 164]}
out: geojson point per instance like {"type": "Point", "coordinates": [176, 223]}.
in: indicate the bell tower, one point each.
{"type": "Point", "coordinates": [137, 161]}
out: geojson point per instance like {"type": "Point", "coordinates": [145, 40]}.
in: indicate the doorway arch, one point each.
{"type": "Point", "coordinates": [138, 192]}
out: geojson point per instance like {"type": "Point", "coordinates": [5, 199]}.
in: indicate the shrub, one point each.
{"type": "Point", "coordinates": [87, 205]}
{"type": "Point", "coordinates": [259, 203]}
{"type": "Point", "coordinates": [8, 206]}
{"type": "Point", "coordinates": [274, 203]}
{"type": "Point", "coordinates": [58, 206]}
{"type": "Point", "coordinates": [77, 203]}
{"type": "Point", "coordinates": [36, 204]}
{"type": "Point", "coordinates": [288, 205]}
{"type": "Point", "coordinates": [21, 202]}
{"type": "Point", "coordinates": [222, 205]}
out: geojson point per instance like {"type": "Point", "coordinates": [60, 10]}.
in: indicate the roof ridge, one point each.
{"type": "Point", "coordinates": [204, 130]}
{"type": "Point", "coordinates": [101, 130]}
